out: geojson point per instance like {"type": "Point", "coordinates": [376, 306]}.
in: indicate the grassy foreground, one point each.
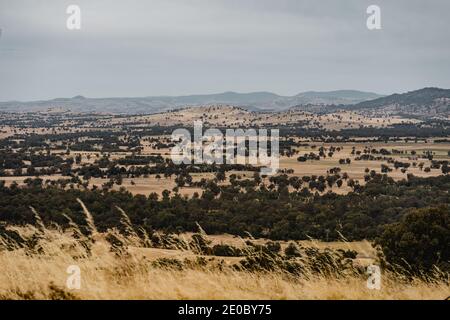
{"type": "Point", "coordinates": [38, 270]}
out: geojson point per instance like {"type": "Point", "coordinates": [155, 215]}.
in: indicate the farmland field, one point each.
{"type": "Point", "coordinates": [290, 231]}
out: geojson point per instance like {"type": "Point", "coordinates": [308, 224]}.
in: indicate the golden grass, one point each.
{"type": "Point", "coordinates": [105, 276]}
{"type": "Point", "coordinates": [41, 273]}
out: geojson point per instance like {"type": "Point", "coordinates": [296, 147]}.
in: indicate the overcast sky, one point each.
{"type": "Point", "coordinates": [177, 47]}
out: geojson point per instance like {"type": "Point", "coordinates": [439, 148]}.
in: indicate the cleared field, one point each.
{"type": "Point", "coordinates": [355, 170]}
{"type": "Point", "coordinates": [366, 252]}
{"type": "Point", "coordinates": [146, 186]}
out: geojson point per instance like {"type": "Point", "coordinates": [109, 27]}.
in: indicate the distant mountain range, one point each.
{"type": "Point", "coordinates": [426, 102]}
{"type": "Point", "coordinates": [254, 101]}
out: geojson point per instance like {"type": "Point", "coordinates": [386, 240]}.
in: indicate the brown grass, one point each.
{"type": "Point", "coordinates": [107, 276]}
{"type": "Point", "coordinates": [40, 273]}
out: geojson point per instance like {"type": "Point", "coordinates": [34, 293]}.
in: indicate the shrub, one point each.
{"type": "Point", "coordinates": [419, 241]}
{"type": "Point", "coordinates": [168, 263]}
{"type": "Point", "coordinates": [224, 250]}
{"type": "Point", "coordinates": [273, 247]}
{"type": "Point", "coordinates": [292, 250]}
{"type": "Point", "coordinates": [199, 244]}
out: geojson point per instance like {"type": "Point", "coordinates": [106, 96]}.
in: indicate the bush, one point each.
{"type": "Point", "coordinates": [273, 247]}
{"type": "Point", "coordinates": [224, 250]}
{"type": "Point", "coordinates": [292, 250]}
{"type": "Point", "coordinates": [10, 239]}
{"type": "Point", "coordinates": [419, 241]}
{"type": "Point", "coordinates": [348, 254]}
{"type": "Point", "coordinates": [168, 263]}
{"type": "Point", "coordinates": [199, 244]}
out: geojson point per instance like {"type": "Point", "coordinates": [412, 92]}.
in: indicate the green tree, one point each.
{"type": "Point", "coordinates": [420, 240]}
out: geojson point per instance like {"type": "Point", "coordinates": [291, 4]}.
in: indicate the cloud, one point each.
{"type": "Point", "coordinates": [140, 48]}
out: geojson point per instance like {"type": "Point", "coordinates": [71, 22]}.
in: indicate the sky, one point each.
{"type": "Point", "coordinates": [177, 47]}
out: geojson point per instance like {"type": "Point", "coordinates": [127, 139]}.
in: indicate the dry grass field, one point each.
{"type": "Point", "coordinates": [104, 274]}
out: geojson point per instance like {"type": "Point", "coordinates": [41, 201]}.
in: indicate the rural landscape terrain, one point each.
{"type": "Point", "coordinates": [363, 180]}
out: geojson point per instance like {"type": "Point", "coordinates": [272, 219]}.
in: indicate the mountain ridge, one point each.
{"type": "Point", "coordinates": [425, 102]}
{"type": "Point", "coordinates": [423, 96]}
{"type": "Point", "coordinates": [261, 100]}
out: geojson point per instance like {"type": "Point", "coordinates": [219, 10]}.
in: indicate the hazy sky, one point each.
{"type": "Point", "coordinates": [175, 47]}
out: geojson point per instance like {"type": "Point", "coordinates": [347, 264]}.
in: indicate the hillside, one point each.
{"type": "Point", "coordinates": [424, 102]}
